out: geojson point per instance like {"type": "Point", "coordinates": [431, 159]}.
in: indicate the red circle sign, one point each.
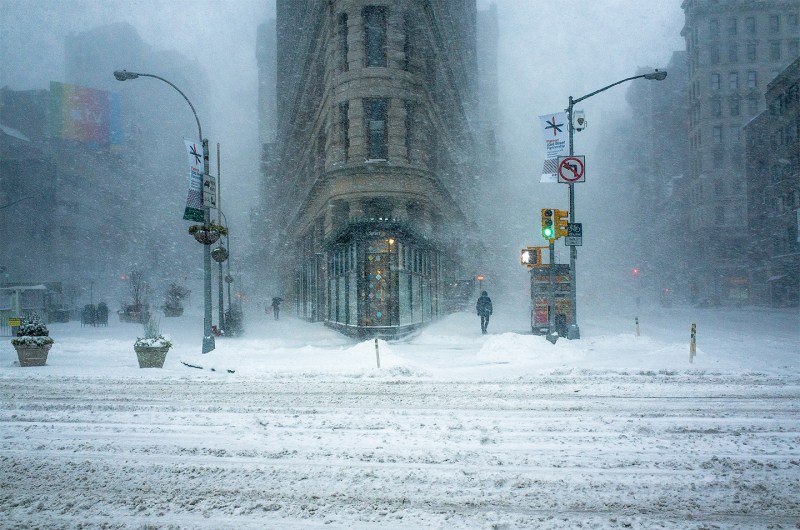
{"type": "Point", "coordinates": [571, 169]}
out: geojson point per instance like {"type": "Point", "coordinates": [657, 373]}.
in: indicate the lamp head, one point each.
{"type": "Point", "coordinates": [122, 75]}
{"type": "Point", "coordinates": [657, 75]}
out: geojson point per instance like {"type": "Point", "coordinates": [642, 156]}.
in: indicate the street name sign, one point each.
{"type": "Point", "coordinates": [574, 236]}
{"type": "Point", "coordinates": [209, 191]}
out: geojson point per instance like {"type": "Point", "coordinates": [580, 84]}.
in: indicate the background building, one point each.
{"type": "Point", "coordinates": [773, 190]}
{"type": "Point", "coordinates": [103, 166]}
{"type": "Point", "coordinates": [654, 168]}
{"type": "Point", "coordinates": [372, 186]}
{"type": "Point", "coordinates": [734, 49]}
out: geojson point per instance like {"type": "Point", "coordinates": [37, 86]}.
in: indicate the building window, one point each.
{"type": "Point", "coordinates": [751, 52]}
{"type": "Point", "coordinates": [375, 35]}
{"type": "Point", "coordinates": [716, 108]}
{"type": "Point", "coordinates": [733, 106]}
{"type": "Point", "coordinates": [750, 25]}
{"type": "Point", "coordinates": [341, 31]}
{"type": "Point", "coordinates": [733, 80]}
{"type": "Point", "coordinates": [731, 27]}
{"type": "Point", "coordinates": [408, 41]}
{"type": "Point", "coordinates": [714, 54]}
{"type": "Point", "coordinates": [377, 129]}
{"type": "Point", "coordinates": [713, 28]}
{"type": "Point", "coordinates": [717, 134]}
{"type": "Point", "coordinates": [752, 79]}
{"type": "Point", "coordinates": [752, 105]}
{"type": "Point", "coordinates": [794, 48]}
{"type": "Point", "coordinates": [775, 50]}
{"type": "Point", "coordinates": [719, 215]}
{"type": "Point", "coordinates": [735, 132]}
{"type": "Point", "coordinates": [715, 82]}
{"type": "Point", "coordinates": [733, 53]}
{"type": "Point", "coordinates": [791, 21]}
{"type": "Point", "coordinates": [774, 23]}
{"type": "Point", "coordinates": [411, 117]}
{"type": "Point", "coordinates": [344, 128]}
{"type": "Point", "coordinates": [719, 187]}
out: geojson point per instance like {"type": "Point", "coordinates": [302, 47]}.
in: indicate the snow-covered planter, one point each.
{"type": "Point", "coordinates": [207, 234]}
{"type": "Point", "coordinates": [151, 350]}
{"type": "Point", "coordinates": [32, 341]}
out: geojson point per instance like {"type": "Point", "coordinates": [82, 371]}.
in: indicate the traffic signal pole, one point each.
{"type": "Point", "coordinates": [551, 306]}
{"type": "Point", "coordinates": [573, 331]}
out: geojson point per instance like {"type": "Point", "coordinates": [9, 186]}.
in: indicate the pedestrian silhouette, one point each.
{"type": "Point", "coordinates": [276, 307]}
{"type": "Point", "coordinates": [484, 310]}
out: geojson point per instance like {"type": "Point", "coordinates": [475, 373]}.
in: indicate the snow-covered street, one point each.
{"type": "Point", "coordinates": [456, 430]}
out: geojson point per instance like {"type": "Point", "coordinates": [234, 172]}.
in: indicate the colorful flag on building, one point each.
{"type": "Point", "coordinates": [556, 143]}
{"type": "Point", "coordinates": [85, 114]}
{"type": "Point", "coordinates": [194, 202]}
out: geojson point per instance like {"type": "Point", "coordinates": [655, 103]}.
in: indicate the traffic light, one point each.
{"type": "Point", "coordinates": [548, 230]}
{"type": "Point", "coordinates": [562, 222]}
{"type": "Point", "coordinates": [531, 256]}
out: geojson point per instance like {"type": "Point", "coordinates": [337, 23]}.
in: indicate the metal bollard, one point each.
{"type": "Point", "coordinates": [692, 343]}
{"type": "Point", "coordinates": [637, 326]}
{"type": "Point", "coordinates": [377, 354]}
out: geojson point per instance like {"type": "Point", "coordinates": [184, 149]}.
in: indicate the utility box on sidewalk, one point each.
{"type": "Point", "coordinates": [540, 299]}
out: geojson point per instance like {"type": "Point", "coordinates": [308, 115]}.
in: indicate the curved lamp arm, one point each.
{"type": "Point", "coordinates": [123, 75]}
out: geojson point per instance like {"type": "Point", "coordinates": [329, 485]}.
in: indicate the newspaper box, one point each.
{"type": "Point", "coordinates": [540, 299]}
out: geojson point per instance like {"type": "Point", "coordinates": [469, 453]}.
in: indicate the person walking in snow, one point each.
{"type": "Point", "coordinates": [484, 309]}
{"type": "Point", "coordinates": [276, 307]}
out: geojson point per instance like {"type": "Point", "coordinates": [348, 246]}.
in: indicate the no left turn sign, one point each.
{"type": "Point", "coordinates": [572, 169]}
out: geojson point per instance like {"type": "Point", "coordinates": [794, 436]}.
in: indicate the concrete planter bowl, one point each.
{"type": "Point", "coordinates": [32, 354]}
{"type": "Point", "coordinates": [151, 356]}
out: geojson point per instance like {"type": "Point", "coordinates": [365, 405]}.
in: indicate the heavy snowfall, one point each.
{"type": "Point", "coordinates": [295, 426]}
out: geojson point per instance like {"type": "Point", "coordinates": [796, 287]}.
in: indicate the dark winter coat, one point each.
{"type": "Point", "coordinates": [484, 305]}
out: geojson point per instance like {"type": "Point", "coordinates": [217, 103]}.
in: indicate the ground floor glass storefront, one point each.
{"type": "Point", "coordinates": [382, 285]}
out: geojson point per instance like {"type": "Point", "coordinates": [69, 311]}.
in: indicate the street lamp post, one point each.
{"type": "Point", "coordinates": [657, 75]}
{"type": "Point", "coordinates": [208, 336]}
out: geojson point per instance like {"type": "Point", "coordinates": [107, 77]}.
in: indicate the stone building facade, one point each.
{"type": "Point", "coordinates": [773, 191]}
{"type": "Point", "coordinates": [735, 48]}
{"type": "Point", "coordinates": [371, 194]}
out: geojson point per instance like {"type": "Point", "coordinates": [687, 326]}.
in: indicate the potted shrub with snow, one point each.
{"type": "Point", "coordinates": [173, 300]}
{"type": "Point", "coordinates": [32, 341]}
{"type": "Point", "coordinates": [151, 350]}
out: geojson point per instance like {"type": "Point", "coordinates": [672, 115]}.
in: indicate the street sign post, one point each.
{"type": "Point", "coordinates": [571, 169]}
{"type": "Point", "coordinates": [574, 235]}
{"type": "Point", "coordinates": [209, 191]}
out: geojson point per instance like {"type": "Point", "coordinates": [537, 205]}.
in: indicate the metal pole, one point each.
{"type": "Point", "coordinates": [551, 306]}
{"type": "Point", "coordinates": [219, 222]}
{"type": "Point", "coordinates": [573, 331]}
{"type": "Point", "coordinates": [208, 336]}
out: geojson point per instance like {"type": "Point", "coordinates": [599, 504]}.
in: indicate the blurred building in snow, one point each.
{"type": "Point", "coordinates": [653, 165]}
{"type": "Point", "coordinates": [104, 166]}
{"type": "Point", "coordinates": [735, 49]}
{"type": "Point", "coordinates": [773, 192]}
{"type": "Point", "coordinates": [381, 152]}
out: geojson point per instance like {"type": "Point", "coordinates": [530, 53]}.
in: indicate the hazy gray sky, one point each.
{"type": "Point", "coordinates": [549, 50]}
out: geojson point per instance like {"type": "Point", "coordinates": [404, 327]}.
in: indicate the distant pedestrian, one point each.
{"type": "Point", "coordinates": [276, 307]}
{"type": "Point", "coordinates": [484, 309]}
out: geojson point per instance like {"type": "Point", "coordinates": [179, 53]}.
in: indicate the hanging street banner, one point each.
{"type": "Point", "coordinates": [194, 201]}
{"type": "Point", "coordinates": [556, 144]}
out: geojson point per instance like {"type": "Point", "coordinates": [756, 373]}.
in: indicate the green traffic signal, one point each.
{"type": "Point", "coordinates": [548, 231]}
